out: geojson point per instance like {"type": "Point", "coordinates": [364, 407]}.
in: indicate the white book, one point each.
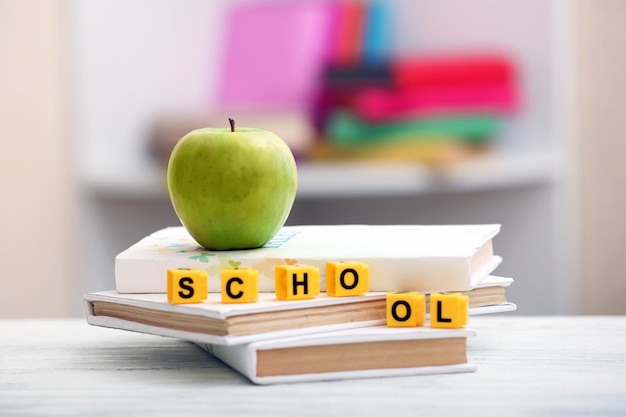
{"type": "Point", "coordinates": [400, 258]}
{"type": "Point", "coordinates": [358, 353]}
{"type": "Point", "coordinates": [230, 324]}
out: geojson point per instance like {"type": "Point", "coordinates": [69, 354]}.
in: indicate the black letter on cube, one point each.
{"type": "Point", "coordinates": [182, 283]}
{"type": "Point", "coordinates": [394, 313]}
{"type": "Point", "coordinates": [342, 278]}
{"type": "Point", "coordinates": [296, 283]}
{"type": "Point", "coordinates": [439, 312]}
{"type": "Point", "coordinates": [229, 292]}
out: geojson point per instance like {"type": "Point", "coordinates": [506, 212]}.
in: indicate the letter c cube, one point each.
{"type": "Point", "coordinates": [240, 285]}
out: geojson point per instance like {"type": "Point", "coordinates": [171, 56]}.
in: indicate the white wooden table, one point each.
{"type": "Point", "coordinates": [527, 366]}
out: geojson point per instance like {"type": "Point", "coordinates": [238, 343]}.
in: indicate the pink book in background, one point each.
{"type": "Point", "coordinates": [376, 104]}
{"type": "Point", "coordinates": [274, 53]}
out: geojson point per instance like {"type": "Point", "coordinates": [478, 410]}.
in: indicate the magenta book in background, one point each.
{"type": "Point", "coordinates": [274, 53]}
{"type": "Point", "coordinates": [377, 104]}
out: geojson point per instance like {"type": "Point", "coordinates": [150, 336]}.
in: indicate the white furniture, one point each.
{"type": "Point", "coordinates": [539, 366]}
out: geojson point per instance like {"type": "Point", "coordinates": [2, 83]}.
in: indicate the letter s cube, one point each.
{"type": "Point", "coordinates": [187, 285]}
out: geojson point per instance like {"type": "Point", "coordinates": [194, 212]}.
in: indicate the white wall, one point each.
{"type": "Point", "coordinates": [133, 62]}
{"type": "Point", "coordinates": [602, 149]}
{"type": "Point", "coordinates": [37, 187]}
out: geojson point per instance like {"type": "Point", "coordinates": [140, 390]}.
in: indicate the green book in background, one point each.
{"type": "Point", "coordinates": [344, 128]}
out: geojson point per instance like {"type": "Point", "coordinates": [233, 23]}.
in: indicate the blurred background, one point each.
{"type": "Point", "coordinates": [402, 111]}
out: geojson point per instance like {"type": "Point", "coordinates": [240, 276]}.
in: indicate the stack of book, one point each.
{"type": "Point", "coordinates": [430, 107]}
{"type": "Point", "coordinates": [327, 78]}
{"type": "Point", "coordinates": [325, 337]}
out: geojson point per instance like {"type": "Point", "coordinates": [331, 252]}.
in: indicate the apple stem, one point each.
{"type": "Point", "coordinates": [232, 124]}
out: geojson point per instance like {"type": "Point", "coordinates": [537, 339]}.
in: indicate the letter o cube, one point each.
{"type": "Point", "coordinates": [240, 285]}
{"type": "Point", "coordinates": [187, 285]}
{"type": "Point", "coordinates": [296, 282]}
{"type": "Point", "coordinates": [406, 309]}
{"type": "Point", "coordinates": [345, 279]}
{"type": "Point", "coordinates": [449, 311]}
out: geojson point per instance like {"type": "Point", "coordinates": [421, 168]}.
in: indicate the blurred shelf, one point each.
{"type": "Point", "coordinates": [363, 179]}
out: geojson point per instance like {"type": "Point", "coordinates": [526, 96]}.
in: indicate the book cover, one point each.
{"type": "Point", "coordinates": [358, 353]}
{"type": "Point", "coordinates": [274, 53]}
{"type": "Point", "coordinates": [268, 318]}
{"type": "Point", "coordinates": [400, 257]}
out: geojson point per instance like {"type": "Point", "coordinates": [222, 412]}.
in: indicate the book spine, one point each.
{"type": "Point", "coordinates": [377, 34]}
{"type": "Point", "coordinates": [451, 70]}
{"type": "Point", "coordinates": [349, 32]}
{"type": "Point", "coordinates": [348, 81]}
{"type": "Point", "coordinates": [383, 105]}
{"type": "Point", "coordinates": [345, 128]}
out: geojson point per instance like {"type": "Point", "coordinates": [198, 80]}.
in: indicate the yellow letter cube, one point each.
{"type": "Point", "coordinates": [296, 282]}
{"type": "Point", "coordinates": [406, 309]}
{"type": "Point", "coordinates": [187, 286]}
{"type": "Point", "coordinates": [240, 285]}
{"type": "Point", "coordinates": [344, 279]}
{"type": "Point", "coordinates": [448, 310]}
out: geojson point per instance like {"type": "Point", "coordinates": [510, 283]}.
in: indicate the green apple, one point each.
{"type": "Point", "coordinates": [232, 188]}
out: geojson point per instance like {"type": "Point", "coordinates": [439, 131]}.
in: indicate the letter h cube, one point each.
{"type": "Point", "coordinates": [296, 282]}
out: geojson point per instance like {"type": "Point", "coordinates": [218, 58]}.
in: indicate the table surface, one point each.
{"type": "Point", "coordinates": [529, 366]}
